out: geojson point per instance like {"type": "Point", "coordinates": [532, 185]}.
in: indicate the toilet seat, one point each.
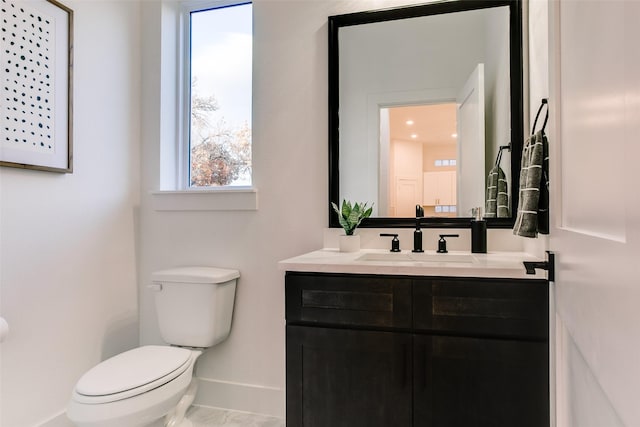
{"type": "Point", "coordinates": [141, 408]}
{"type": "Point", "coordinates": [132, 373]}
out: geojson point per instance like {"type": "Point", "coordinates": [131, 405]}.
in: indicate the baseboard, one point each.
{"type": "Point", "coordinates": [252, 398]}
{"type": "Point", "coordinates": [218, 394]}
{"type": "Point", "coordinates": [59, 420]}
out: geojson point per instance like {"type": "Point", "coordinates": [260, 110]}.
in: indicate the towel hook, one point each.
{"type": "Point", "coordinates": [544, 102]}
{"type": "Point", "coordinates": [499, 156]}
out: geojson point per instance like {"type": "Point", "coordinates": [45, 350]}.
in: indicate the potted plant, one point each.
{"type": "Point", "coordinates": [350, 216]}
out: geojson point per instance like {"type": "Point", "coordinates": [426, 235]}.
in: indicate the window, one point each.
{"type": "Point", "coordinates": [217, 123]}
{"type": "Point", "coordinates": [444, 162]}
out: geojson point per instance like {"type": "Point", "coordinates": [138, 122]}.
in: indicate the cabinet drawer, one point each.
{"type": "Point", "coordinates": [495, 307]}
{"type": "Point", "coordinates": [331, 299]}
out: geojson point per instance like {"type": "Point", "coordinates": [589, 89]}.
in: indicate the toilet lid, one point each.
{"type": "Point", "coordinates": [133, 369]}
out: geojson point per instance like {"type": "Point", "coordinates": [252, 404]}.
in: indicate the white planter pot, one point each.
{"type": "Point", "coordinates": [349, 243]}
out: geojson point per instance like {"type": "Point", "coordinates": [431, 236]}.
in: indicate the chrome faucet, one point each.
{"type": "Point", "coordinates": [417, 234]}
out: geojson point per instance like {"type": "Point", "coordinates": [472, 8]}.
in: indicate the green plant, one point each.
{"type": "Point", "coordinates": [350, 216]}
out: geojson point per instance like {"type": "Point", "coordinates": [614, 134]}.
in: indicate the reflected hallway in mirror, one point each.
{"type": "Point", "coordinates": [421, 166]}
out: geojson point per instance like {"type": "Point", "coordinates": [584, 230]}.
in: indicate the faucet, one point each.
{"type": "Point", "coordinates": [417, 234]}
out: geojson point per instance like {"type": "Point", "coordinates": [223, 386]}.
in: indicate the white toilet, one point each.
{"type": "Point", "coordinates": [154, 385]}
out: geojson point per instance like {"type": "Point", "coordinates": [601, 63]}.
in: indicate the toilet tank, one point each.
{"type": "Point", "coordinates": [194, 304]}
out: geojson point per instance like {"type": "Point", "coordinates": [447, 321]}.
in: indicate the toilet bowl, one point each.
{"type": "Point", "coordinates": [142, 386]}
{"type": "Point", "coordinates": [133, 388]}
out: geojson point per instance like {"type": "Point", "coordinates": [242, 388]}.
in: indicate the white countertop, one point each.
{"type": "Point", "coordinates": [493, 264]}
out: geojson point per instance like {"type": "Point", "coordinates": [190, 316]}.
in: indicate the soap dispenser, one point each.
{"type": "Point", "coordinates": [478, 232]}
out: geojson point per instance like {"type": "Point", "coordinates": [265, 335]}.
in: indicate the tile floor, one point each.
{"type": "Point", "coordinates": [202, 416]}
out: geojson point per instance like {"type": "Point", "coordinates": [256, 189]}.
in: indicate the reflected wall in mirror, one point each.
{"type": "Point", "coordinates": [424, 96]}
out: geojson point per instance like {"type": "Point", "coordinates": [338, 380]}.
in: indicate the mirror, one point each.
{"type": "Point", "coordinates": [423, 102]}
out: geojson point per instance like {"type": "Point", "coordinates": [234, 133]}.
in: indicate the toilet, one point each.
{"type": "Point", "coordinates": [153, 385]}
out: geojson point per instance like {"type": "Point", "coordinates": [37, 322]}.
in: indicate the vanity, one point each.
{"type": "Point", "coordinates": [380, 339]}
{"type": "Point", "coordinates": [375, 342]}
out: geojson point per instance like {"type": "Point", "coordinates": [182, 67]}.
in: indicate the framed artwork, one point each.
{"type": "Point", "coordinates": [36, 59]}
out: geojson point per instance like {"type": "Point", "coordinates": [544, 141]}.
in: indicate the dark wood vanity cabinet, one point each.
{"type": "Point", "coordinates": [414, 351]}
{"type": "Point", "coordinates": [461, 381]}
{"type": "Point", "coordinates": [348, 378]}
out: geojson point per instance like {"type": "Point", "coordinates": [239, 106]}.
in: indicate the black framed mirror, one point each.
{"type": "Point", "coordinates": [387, 67]}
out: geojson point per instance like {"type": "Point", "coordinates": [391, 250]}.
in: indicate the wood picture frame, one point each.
{"type": "Point", "coordinates": [36, 63]}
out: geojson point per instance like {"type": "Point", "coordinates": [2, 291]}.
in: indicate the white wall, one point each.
{"type": "Point", "coordinates": [536, 85]}
{"type": "Point", "coordinates": [68, 242]}
{"type": "Point", "coordinates": [290, 171]}
{"type": "Point", "coordinates": [498, 93]}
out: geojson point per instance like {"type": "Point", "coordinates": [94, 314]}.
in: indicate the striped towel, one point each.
{"type": "Point", "coordinates": [533, 204]}
{"type": "Point", "coordinates": [497, 205]}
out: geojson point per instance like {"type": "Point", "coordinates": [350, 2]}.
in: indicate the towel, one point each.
{"type": "Point", "coordinates": [497, 205]}
{"type": "Point", "coordinates": [533, 204]}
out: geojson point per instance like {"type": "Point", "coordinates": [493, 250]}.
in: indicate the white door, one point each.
{"type": "Point", "coordinates": [595, 154]}
{"type": "Point", "coordinates": [407, 196]}
{"type": "Point", "coordinates": [407, 170]}
{"type": "Point", "coordinates": [470, 162]}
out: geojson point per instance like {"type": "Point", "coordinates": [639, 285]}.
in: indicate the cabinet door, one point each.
{"type": "Point", "coordinates": [447, 188]}
{"type": "Point", "coordinates": [475, 382]}
{"type": "Point", "coordinates": [348, 378]}
{"type": "Point", "coordinates": [439, 188]}
{"type": "Point", "coordinates": [431, 190]}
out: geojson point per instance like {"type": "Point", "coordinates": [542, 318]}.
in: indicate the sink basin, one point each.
{"type": "Point", "coordinates": [415, 257]}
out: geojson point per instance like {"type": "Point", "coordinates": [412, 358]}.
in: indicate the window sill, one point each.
{"type": "Point", "coordinates": [219, 199]}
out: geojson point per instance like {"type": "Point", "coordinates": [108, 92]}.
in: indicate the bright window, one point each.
{"type": "Point", "coordinates": [217, 148]}
{"type": "Point", "coordinates": [444, 162]}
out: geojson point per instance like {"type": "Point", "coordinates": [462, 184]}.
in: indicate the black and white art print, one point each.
{"type": "Point", "coordinates": [35, 85]}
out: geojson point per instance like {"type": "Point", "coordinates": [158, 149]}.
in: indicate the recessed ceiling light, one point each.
{"type": "Point", "coordinates": [409, 122]}
{"type": "Point", "coordinates": [454, 135]}
{"type": "Point", "coordinates": [414, 135]}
